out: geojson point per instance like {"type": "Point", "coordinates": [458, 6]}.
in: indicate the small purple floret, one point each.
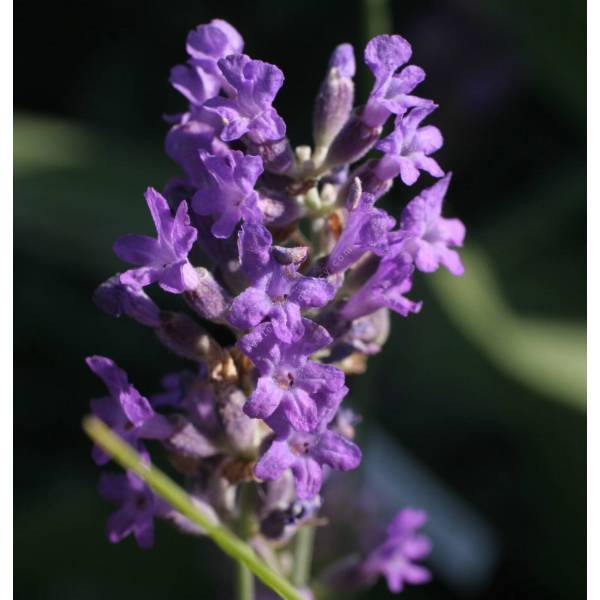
{"type": "Point", "coordinates": [395, 557]}
{"type": "Point", "coordinates": [427, 236]}
{"type": "Point", "coordinates": [278, 290]}
{"type": "Point", "coordinates": [227, 193]}
{"type": "Point", "coordinates": [305, 454]}
{"type": "Point", "coordinates": [138, 507]}
{"type": "Point", "coordinates": [248, 109]}
{"type": "Point", "coordinates": [391, 93]}
{"type": "Point", "coordinates": [385, 288]}
{"type": "Point", "coordinates": [366, 230]}
{"type": "Point", "coordinates": [409, 145]}
{"type": "Point", "coordinates": [162, 260]}
{"type": "Point", "coordinates": [292, 391]}
{"type": "Point", "coordinates": [125, 410]}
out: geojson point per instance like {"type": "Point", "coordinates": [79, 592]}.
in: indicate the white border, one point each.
{"type": "Point", "coordinates": [6, 245]}
{"type": "Point", "coordinates": [6, 296]}
{"type": "Point", "coordinates": [593, 198]}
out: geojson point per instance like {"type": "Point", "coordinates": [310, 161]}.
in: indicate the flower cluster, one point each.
{"type": "Point", "coordinates": [285, 251]}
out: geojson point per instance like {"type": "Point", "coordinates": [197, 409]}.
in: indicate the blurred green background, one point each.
{"type": "Point", "coordinates": [484, 390]}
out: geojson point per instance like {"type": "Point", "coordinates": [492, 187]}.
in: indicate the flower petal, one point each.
{"type": "Point", "coordinates": [264, 400]}
{"type": "Point", "coordinates": [249, 308]}
{"type": "Point", "coordinates": [337, 452]}
{"type": "Point", "coordinates": [274, 461]}
{"type": "Point", "coordinates": [308, 477]}
{"type": "Point", "coordinates": [138, 249]}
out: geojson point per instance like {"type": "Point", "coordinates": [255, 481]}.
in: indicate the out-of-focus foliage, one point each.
{"type": "Point", "coordinates": [547, 355]}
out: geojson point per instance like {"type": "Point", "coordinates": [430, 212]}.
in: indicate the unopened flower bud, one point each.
{"type": "Point", "coordinates": [355, 191]}
{"type": "Point", "coordinates": [116, 299]}
{"type": "Point", "coordinates": [183, 336]}
{"type": "Point", "coordinates": [208, 298]}
{"type": "Point", "coordinates": [277, 156]}
{"type": "Point", "coordinates": [242, 433]}
{"type": "Point", "coordinates": [303, 153]}
{"type": "Point", "coordinates": [354, 140]}
{"type": "Point", "coordinates": [290, 256]}
{"type": "Point", "coordinates": [336, 95]}
{"type": "Point", "coordinates": [312, 199]}
{"type": "Point", "coordinates": [188, 442]}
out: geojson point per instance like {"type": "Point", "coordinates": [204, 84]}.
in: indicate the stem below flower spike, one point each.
{"type": "Point", "coordinates": [166, 488]}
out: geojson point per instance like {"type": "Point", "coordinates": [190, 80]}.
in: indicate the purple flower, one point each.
{"type": "Point", "coordinates": [291, 391]}
{"type": "Point", "coordinates": [410, 145]}
{"type": "Point", "coordinates": [305, 454]}
{"type": "Point", "coordinates": [386, 287]}
{"type": "Point", "coordinates": [278, 291]}
{"type": "Point", "coordinates": [384, 55]}
{"type": "Point", "coordinates": [366, 230]}
{"type": "Point", "coordinates": [125, 411]}
{"type": "Point", "coordinates": [208, 43]}
{"type": "Point", "coordinates": [194, 83]}
{"type": "Point", "coordinates": [137, 508]}
{"type": "Point", "coordinates": [200, 78]}
{"type": "Point", "coordinates": [427, 236]}
{"type": "Point", "coordinates": [228, 191]}
{"type": "Point", "coordinates": [116, 299]}
{"type": "Point", "coordinates": [163, 260]}
{"type": "Point", "coordinates": [395, 557]}
{"type": "Point", "coordinates": [249, 108]}
{"type": "Point", "coordinates": [188, 137]}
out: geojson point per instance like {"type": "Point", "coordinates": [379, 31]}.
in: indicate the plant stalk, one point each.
{"type": "Point", "coordinates": [303, 555]}
{"type": "Point", "coordinates": [245, 582]}
{"type": "Point", "coordinates": [166, 488]}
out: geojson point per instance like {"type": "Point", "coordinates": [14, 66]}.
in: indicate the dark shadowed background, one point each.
{"type": "Point", "coordinates": [482, 395]}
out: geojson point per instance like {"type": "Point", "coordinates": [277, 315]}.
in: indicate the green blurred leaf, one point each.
{"type": "Point", "coordinates": [547, 355]}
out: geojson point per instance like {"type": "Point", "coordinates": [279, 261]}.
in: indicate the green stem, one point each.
{"type": "Point", "coordinates": [166, 488]}
{"type": "Point", "coordinates": [303, 555]}
{"type": "Point", "coordinates": [245, 579]}
{"type": "Point", "coordinates": [245, 582]}
{"type": "Point", "coordinates": [377, 17]}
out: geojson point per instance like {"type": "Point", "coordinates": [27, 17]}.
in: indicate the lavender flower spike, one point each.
{"type": "Point", "coordinates": [305, 454]}
{"type": "Point", "coordinates": [427, 236]}
{"type": "Point", "coordinates": [163, 260]}
{"type": "Point", "coordinates": [409, 145]}
{"type": "Point", "coordinates": [249, 108]}
{"type": "Point", "coordinates": [299, 273]}
{"type": "Point", "coordinates": [227, 193]}
{"type": "Point", "coordinates": [394, 558]}
{"type": "Point", "coordinates": [137, 508]}
{"type": "Point", "coordinates": [126, 411]}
